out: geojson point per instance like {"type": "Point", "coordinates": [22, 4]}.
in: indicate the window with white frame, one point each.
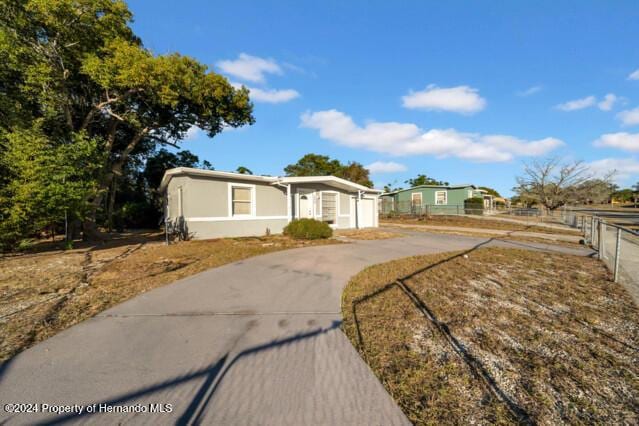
{"type": "Point", "coordinates": [441, 197]}
{"type": "Point", "coordinates": [241, 200]}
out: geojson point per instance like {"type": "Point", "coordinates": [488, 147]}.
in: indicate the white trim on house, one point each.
{"type": "Point", "coordinates": [412, 198]}
{"type": "Point", "coordinates": [273, 180]}
{"type": "Point", "coordinates": [289, 207]}
{"type": "Point", "coordinates": [445, 203]}
{"type": "Point", "coordinates": [230, 186]}
{"type": "Point", "coordinates": [226, 219]}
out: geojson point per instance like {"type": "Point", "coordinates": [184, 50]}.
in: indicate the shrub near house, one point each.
{"type": "Point", "coordinates": [308, 229]}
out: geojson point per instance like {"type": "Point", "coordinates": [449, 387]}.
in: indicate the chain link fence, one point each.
{"type": "Point", "coordinates": [391, 208]}
{"type": "Point", "coordinates": [617, 246]}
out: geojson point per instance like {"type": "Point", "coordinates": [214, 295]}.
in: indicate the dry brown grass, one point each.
{"type": "Point", "coordinates": [366, 234]}
{"type": "Point", "coordinates": [559, 340]}
{"type": "Point", "coordinates": [542, 238]}
{"type": "Point", "coordinates": [470, 222]}
{"type": "Point", "coordinates": [42, 294]}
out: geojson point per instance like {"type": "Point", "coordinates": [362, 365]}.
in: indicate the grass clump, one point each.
{"type": "Point", "coordinates": [308, 229]}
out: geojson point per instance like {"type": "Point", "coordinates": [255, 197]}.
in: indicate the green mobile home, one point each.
{"type": "Point", "coordinates": [432, 199]}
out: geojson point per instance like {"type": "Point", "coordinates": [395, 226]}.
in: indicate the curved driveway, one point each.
{"type": "Point", "coordinates": [252, 342]}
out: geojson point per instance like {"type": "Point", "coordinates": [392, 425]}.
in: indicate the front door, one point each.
{"type": "Point", "coordinates": [306, 206]}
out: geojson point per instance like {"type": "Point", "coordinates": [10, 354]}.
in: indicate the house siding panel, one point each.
{"type": "Point", "coordinates": [455, 199]}
{"type": "Point", "coordinates": [205, 197]}
{"type": "Point", "coordinates": [271, 200]}
{"type": "Point", "coordinates": [345, 203]}
{"type": "Point", "coordinates": [173, 195]}
{"type": "Point", "coordinates": [231, 228]}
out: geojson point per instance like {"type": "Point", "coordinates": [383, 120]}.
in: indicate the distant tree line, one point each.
{"type": "Point", "coordinates": [553, 184]}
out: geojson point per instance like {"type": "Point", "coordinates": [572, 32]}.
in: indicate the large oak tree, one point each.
{"type": "Point", "coordinates": [76, 69]}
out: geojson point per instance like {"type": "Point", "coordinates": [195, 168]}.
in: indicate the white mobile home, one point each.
{"type": "Point", "coordinates": [212, 204]}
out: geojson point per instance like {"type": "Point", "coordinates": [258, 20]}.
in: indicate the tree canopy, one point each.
{"type": "Point", "coordinates": [422, 179]}
{"type": "Point", "coordinates": [490, 191]}
{"type": "Point", "coordinates": [74, 78]}
{"type": "Point", "coordinates": [390, 188]}
{"type": "Point", "coordinates": [624, 195]}
{"type": "Point", "coordinates": [244, 170]}
{"type": "Point", "coordinates": [322, 165]}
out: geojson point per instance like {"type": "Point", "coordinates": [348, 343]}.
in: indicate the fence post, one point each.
{"type": "Point", "coordinates": [584, 227]}
{"type": "Point", "coordinates": [592, 230]}
{"type": "Point", "coordinates": [602, 232]}
{"type": "Point", "coordinates": [617, 256]}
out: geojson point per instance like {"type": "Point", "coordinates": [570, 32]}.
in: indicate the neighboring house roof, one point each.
{"type": "Point", "coordinates": [273, 180]}
{"type": "Point", "coordinates": [460, 186]}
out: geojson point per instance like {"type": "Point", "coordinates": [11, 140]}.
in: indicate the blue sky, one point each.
{"type": "Point", "coordinates": [462, 91]}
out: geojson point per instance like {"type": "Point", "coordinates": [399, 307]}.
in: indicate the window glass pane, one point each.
{"type": "Point", "coordinates": [441, 197]}
{"type": "Point", "coordinates": [241, 194]}
{"type": "Point", "coordinates": [241, 207]}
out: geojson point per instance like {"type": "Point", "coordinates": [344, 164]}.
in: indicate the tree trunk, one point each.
{"type": "Point", "coordinates": [90, 227]}
{"type": "Point", "coordinates": [114, 189]}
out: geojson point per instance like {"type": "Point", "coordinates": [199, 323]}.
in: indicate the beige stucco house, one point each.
{"type": "Point", "coordinates": [213, 204]}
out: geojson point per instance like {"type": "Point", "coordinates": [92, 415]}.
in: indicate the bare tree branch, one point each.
{"type": "Point", "coordinates": [552, 184]}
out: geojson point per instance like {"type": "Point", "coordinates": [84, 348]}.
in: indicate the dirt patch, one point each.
{"type": "Point", "coordinates": [44, 293]}
{"type": "Point", "coordinates": [366, 234]}
{"type": "Point", "coordinates": [469, 222]}
{"type": "Point", "coordinates": [499, 336]}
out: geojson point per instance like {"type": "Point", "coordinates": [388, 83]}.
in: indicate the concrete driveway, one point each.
{"type": "Point", "coordinates": [253, 342]}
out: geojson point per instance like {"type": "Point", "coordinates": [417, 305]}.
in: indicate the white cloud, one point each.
{"type": "Point", "coordinates": [577, 104]}
{"type": "Point", "coordinates": [193, 133]}
{"type": "Point", "coordinates": [386, 167]}
{"type": "Point", "coordinates": [408, 139]}
{"type": "Point", "coordinates": [530, 91]}
{"type": "Point", "coordinates": [621, 140]}
{"type": "Point", "coordinates": [634, 75]}
{"type": "Point", "coordinates": [624, 167]}
{"type": "Point", "coordinates": [461, 99]}
{"type": "Point", "coordinates": [607, 102]}
{"type": "Point", "coordinates": [250, 68]}
{"type": "Point", "coordinates": [629, 117]}
{"type": "Point", "coordinates": [273, 96]}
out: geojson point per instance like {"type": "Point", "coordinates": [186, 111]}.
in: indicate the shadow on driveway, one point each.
{"type": "Point", "coordinates": [214, 374]}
